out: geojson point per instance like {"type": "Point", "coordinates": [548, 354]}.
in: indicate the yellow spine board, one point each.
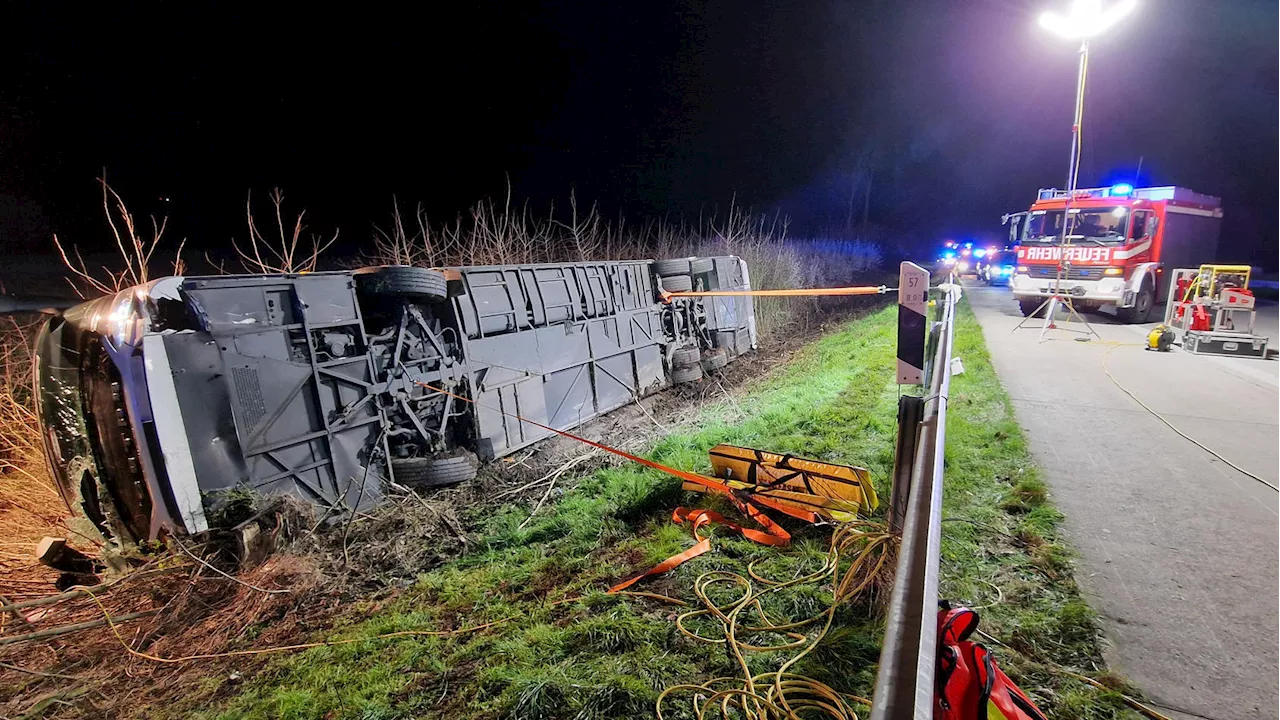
{"type": "Point", "coordinates": [836, 492]}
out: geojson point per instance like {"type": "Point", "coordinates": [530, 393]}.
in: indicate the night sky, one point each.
{"type": "Point", "coordinates": [952, 112]}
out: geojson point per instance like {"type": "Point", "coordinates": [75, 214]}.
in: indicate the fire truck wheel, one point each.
{"type": "Point", "coordinates": [1141, 306]}
{"type": "Point", "coordinates": [1029, 306]}
{"type": "Point", "coordinates": [677, 283]}
{"type": "Point", "coordinates": [434, 471]}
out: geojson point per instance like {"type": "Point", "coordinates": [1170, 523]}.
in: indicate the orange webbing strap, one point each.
{"type": "Point", "coordinates": [773, 533]}
{"type": "Point", "coordinates": [700, 519]}
{"type": "Point", "coordinates": [798, 292]}
{"type": "Point", "coordinates": [743, 500]}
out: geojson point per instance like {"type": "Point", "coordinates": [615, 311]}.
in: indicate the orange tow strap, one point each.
{"type": "Point", "coordinates": [700, 519]}
{"type": "Point", "coordinates": [799, 292]}
{"type": "Point", "coordinates": [746, 502]}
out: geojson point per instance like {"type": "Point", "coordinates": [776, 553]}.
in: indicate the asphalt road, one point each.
{"type": "Point", "coordinates": [1178, 550]}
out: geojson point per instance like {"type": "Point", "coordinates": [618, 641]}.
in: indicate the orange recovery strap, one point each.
{"type": "Point", "coordinates": [798, 292]}
{"type": "Point", "coordinates": [700, 519]}
{"type": "Point", "coordinates": [749, 503]}
{"type": "Point", "coordinates": [743, 500]}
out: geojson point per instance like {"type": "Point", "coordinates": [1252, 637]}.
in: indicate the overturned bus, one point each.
{"type": "Point", "coordinates": [157, 401]}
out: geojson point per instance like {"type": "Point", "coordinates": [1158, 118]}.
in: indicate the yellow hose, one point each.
{"type": "Point", "coordinates": [781, 694]}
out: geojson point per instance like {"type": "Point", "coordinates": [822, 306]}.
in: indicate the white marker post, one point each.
{"type": "Point", "coordinates": [913, 310]}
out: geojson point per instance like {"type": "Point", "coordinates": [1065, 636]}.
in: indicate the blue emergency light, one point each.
{"type": "Point", "coordinates": [1122, 189]}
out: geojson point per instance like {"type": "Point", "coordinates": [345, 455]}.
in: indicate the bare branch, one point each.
{"type": "Point", "coordinates": [286, 251]}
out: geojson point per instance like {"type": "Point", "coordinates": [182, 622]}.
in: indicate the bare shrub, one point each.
{"type": "Point", "coordinates": [407, 245]}
{"type": "Point", "coordinates": [585, 234]}
{"type": "Point", "coordinates": [284, 250]}
{"type": "Point", "coordinates": [136, 250]}
{"type": "Point", "coordinates": [835, 262]}
{"type": "Point", "coordinates": [500, 233]}
{"type": "Point", "coordinates": [774, 262]}
{"type": "Point", "coordinates": [30, 507]}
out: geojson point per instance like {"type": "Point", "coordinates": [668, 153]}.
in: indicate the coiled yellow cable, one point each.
{"type": "Point", "coordinates": [781, 694]}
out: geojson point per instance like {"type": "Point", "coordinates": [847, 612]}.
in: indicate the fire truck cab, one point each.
{"type": "Point", "coordinates": [1112, 245]}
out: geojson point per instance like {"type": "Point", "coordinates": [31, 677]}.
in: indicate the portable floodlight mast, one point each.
{"type": "Point", "coordinates": [1086, 20]}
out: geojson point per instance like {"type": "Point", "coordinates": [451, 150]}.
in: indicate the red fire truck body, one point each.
{"type": "Point", "coordinates": [1119, 243]}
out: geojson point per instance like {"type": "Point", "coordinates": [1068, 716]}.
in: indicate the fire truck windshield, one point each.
{"type": "Point", "coordinates": [1100, 226]}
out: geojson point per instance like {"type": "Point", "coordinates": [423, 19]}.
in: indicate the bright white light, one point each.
{"type": "Point", "coordinates": [1087, 18]}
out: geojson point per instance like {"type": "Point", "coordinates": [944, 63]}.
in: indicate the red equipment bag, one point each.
{"type": "Point", "coordinates": [969, 684]}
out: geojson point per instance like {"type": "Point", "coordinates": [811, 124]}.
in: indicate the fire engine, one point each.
{"type": "Point", "coordinates": [1115, 247]}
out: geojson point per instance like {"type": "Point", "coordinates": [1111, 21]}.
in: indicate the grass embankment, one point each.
{"type": "Point", "coordinates": [603, 656]}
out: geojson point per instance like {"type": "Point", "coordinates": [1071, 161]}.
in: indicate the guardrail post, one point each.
{"type": "Point", "coordinates": [910, 413]}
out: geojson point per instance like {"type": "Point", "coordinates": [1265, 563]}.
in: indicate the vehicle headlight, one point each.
{"type": "Point", "coordinates": [121, 318]}
{"type": "Point", "coordinates": [1022, 268]}
{"type": "Point", "coordinates": [962, 266]}
{"type": "Point", "coordinates": [1113, 271]}
{"type": "Point", "coordinates": [1006, 270]}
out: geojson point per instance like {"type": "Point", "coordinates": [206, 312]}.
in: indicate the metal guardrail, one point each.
{"type": "Point", "coordinates": [905, 681]}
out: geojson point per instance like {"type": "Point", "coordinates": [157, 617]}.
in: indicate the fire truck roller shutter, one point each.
{"type": "Point", "coordinates": [1189, 237]}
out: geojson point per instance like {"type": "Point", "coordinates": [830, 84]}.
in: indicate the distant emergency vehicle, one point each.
{"type": "Point", "coordinates": [1115, 247]}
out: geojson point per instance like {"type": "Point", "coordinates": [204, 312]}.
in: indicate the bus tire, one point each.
{"type": "Point", "coordinates": [402, 280]}
{"type": "Point", "coordinates": [714, 359]}
{"type": "Point", "coordinates": [686, 356]}
{"type": "Point", "coordinates": [686, 374]}
{"type": "Point", "coordinates": [435, 471]}
{"type": "Point", "coordinates": [677, 283]}
{"type": "Point", "coordinates": [665, 268]}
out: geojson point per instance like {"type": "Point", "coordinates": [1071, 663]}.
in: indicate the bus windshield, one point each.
{"type": "Point", "coordinates": [1099, 226]}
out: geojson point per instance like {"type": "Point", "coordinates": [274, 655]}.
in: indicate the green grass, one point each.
{"type": "Point", "coordinates": [602, 656]}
